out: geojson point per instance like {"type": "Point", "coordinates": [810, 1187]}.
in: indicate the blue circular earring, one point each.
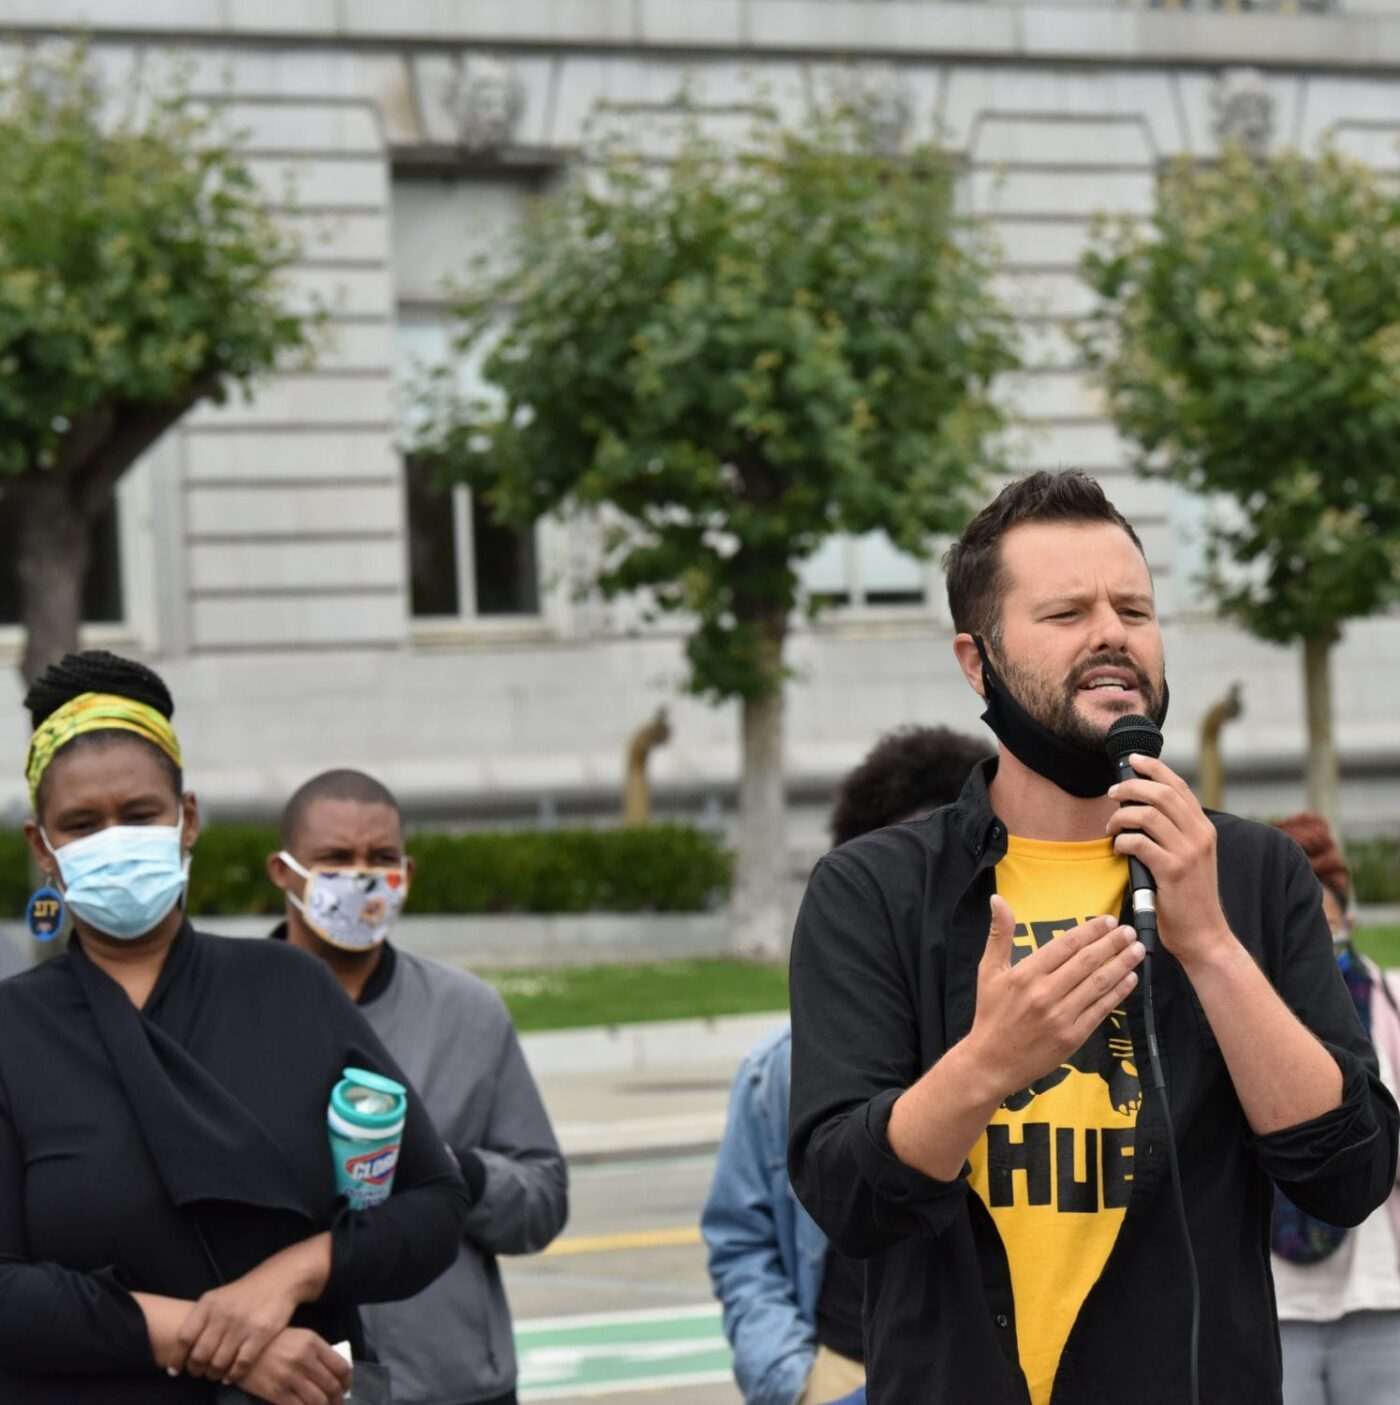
{"type": "Point", "coordinates": [45, 913]}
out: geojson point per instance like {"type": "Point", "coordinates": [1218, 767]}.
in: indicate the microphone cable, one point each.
{"type": "Point", "coordinates": [1159, 1082]}
{"type": "Point", "coordinates": [1136, 733]}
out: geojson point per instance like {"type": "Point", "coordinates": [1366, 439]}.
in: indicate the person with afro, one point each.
{"type": "Point", "coordinates": [792, 1305]}
{"type": "Point", "coordinates": [170, 1231]}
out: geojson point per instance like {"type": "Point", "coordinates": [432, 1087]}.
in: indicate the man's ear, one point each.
{"type": "Point", "coordinates": [280, 875]}
{"type": "Point", "coordinates": [409, 868]}
{"type": "Point", "coordinates": [970, 661]}
{"type": "Point", "coordinates": [43, 860]}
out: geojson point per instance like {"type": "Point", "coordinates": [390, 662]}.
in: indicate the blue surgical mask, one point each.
{"type": "Point", "coordinates": [125, 879]}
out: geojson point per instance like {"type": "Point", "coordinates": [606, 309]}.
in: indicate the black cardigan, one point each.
{"type": "Point", "coordinates": [173, 1148]}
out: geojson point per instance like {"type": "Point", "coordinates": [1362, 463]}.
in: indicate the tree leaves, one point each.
{"type": "Point", "coordinates": [1249, 340]}
{"type": "Point", "coordinates": [138, 262]}
{"type": "Point", "coordinates": [742, 354]}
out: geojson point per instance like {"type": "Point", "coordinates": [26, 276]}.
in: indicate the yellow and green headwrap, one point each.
{"type": "Point", "coordinates": [95, 712]}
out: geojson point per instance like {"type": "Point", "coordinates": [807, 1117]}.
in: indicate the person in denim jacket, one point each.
{"type": "Point", "coordinates": [767, 1256]}
{"type": "Point", "coordinates": [792, 1309]}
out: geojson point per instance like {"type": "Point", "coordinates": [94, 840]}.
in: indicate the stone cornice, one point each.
{"type": "Point", "coordinates": [909, 30]}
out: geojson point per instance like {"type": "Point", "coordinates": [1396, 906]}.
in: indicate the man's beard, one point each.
{"type": "Point", "coordinates": [1053, 705]}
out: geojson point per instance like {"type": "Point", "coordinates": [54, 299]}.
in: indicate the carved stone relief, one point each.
{"type": "Point", "coordinates": [1243, 109]}
{"type": "Point", "coordinates": [879, 97]}
{"type": "Point", "coordinates": [486, 100]}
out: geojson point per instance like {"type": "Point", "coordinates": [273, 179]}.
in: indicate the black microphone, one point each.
{"type": "Point", "coordinates": [1138, 735]}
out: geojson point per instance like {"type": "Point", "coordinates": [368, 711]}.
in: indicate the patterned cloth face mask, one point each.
{"type": "Point", "coordinates": [352, 908]}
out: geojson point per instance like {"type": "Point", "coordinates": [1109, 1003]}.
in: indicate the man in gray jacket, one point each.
{"type": "Point", "coordinates": [345, 874]}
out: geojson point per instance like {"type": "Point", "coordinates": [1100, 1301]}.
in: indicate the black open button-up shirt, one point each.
{"type": "Point", "coordinates": [884, 982]}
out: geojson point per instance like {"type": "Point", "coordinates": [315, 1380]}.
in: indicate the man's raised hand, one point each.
{"type": "Point", "coordinates": [1031, 1016]}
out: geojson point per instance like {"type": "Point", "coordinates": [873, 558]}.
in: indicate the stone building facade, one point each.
{"type": "Point", "coordinates": [313, 603]}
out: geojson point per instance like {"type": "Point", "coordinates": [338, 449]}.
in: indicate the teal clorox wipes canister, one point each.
{"type": "Point", "coordinates": [365, 1119]}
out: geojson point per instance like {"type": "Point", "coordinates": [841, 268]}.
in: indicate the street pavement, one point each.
{"type": "Point", "coordinates": [620, 1305]}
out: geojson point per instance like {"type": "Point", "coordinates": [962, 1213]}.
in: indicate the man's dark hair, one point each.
{"type": "Point", "coordinates": [976, 581]}
{"type": "Point", "coordinates": [342, 784]}
{"type": "Point", "coordinates": [907, 772]}
{"type": "Point", "coordinates": [98, 671]}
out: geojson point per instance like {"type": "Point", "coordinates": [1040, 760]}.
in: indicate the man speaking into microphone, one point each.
{"type": "Point", "coordinates": [974, 1106]}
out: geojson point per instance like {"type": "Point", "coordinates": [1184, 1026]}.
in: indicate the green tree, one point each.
{"type": "Point", "coordinates": [139, 274]}
{"type": "Point", "coordinates": [1249, 341]}
{"type": "Point", "coordinates": [734, 357]}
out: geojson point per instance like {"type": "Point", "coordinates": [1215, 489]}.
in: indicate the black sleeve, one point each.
{"type": "Point", "coordinates": [1339, 1166]}
{"type": "Point", "coordinates": [398, 1248]}
{"type": "Point", "coordinates": [54, 1319]}
{"type": "Point", "coordinates": [855, 1049]}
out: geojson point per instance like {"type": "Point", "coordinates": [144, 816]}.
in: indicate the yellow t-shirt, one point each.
{"type": "Point", "coordinates": [1055, 1167]}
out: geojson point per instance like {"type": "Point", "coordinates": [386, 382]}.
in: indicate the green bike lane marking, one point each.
{"type": "Point", "coordinates": [611, 1353]}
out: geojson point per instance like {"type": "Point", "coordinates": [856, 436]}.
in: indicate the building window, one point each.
{"type": "Point", "coordinates": [503, 565]}
{"type": "Point", "coordinates": [463, 563]}
{"type": "Point", "coordinates": [103, 601]}
{"type": "Point", "coordinates": [867, 572]}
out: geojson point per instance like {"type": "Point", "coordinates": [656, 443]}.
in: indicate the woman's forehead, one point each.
{"type": "Point", "coordinates": [107, 763]}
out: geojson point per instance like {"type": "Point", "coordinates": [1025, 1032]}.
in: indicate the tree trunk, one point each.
{"type": "Point", "coordinates": [761, 915]}
{"type": "Point", "coordinates": [51, 563]}
{"type": "Point", "coordinates": [1322, 747]}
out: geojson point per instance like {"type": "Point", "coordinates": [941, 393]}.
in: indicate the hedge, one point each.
{"type": "Point", "coordinates": [1375, 870]}
{"type": "Point", "coordinates": [660, 868]}
{"type": "Point", "coordinates": [657, 868]}
{"type": "Point", "coordinates": [15, 885]}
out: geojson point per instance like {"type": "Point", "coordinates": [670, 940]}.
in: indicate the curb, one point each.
{"type": "Point", "coordinates": [628, 1155]}
{"type": "Point", "coordinates": [641, 1151]}
{"type": "Point", "coordinates": [635, 1048]}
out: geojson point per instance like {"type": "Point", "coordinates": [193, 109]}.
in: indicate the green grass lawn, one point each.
{"type": "Point", "coordinates": [569, 997]}
{"type": "Point", "coordinates": [566, 997]}
{"type": "Point", "coordinates": [1381, 944]}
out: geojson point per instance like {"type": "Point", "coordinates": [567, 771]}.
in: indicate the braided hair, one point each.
{"type": "Point", "coordinates": [99, 671]}
{"type": "Point", "coordinates": [96, 671]}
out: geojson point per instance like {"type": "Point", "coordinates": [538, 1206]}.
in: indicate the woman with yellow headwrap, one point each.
{"type": "Point", "coordinates": [170, 1231]}
{"type": "Point", "coordinates": [121, 879]}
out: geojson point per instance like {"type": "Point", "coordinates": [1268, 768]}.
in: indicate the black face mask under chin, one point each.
{"type": "Point", "coordinates": [1085, 772]}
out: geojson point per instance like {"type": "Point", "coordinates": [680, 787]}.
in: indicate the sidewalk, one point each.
{"type": "Point", "coordinates": [644, 1089]}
